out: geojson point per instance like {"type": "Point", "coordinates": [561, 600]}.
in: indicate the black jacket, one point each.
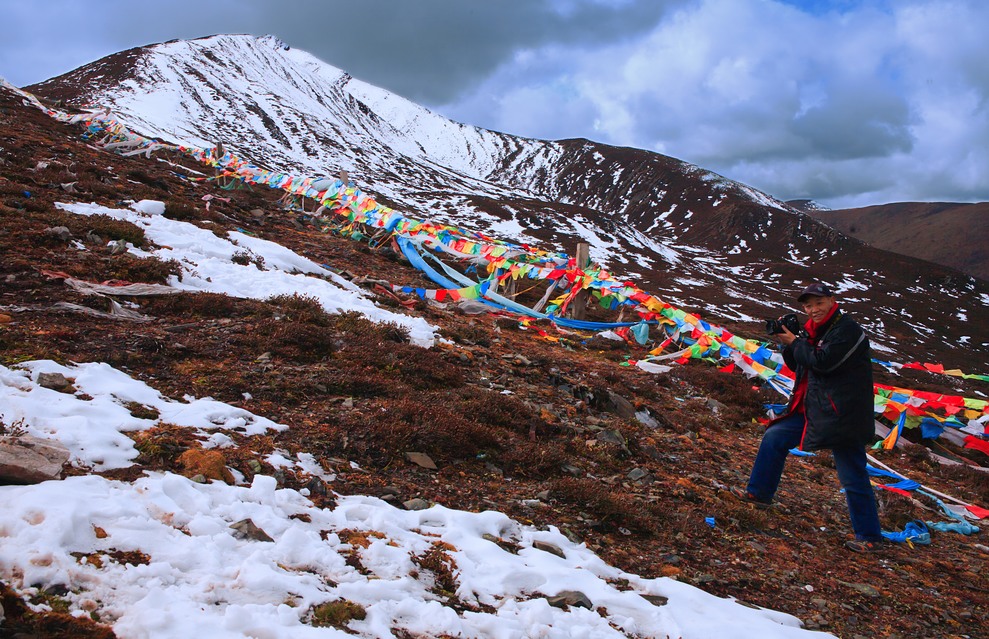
{"type": "Point", "coordinates": [839, 400]}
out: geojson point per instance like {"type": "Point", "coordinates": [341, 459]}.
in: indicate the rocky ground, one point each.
{"type": "Point", "coordinates": [543, 429]}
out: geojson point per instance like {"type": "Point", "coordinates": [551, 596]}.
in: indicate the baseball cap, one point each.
{"type": "Point", "coordinates": [816, 289]}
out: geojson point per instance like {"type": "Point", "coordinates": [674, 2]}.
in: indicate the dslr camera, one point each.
{"type": "Point", "coordinates": [790, 321]}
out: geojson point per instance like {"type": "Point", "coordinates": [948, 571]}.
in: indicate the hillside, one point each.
{"type": "Point", "coordinates": [704, 242]}
{"type": "Point", "coordinates": [544, 426]}
{"type": "Point", "coordinates": [932, 231]}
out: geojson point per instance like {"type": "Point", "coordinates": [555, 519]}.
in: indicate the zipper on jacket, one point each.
{"type": "Point", "coordinates": [831, 401]}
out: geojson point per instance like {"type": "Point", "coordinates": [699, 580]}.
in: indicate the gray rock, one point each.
{"type": "Point", "coordinates": [572, 598]}
{"type": "Point", "coordinates": [118, 247]}
{"type": "Point", "coordinates": [246, 529]}
{"type": "Point", "coordinates": [636, 474]}
{"type": "Point", "coordinates": [715, 406]}
{"type": "Point", "coordinates": [30, 460]}
{"type": "Point", "coordinates": [865, 589]}
{"type": "Point", "coordinates": [646, 419]}
{"type": "Point", "coordinates": [472, 307]}
{"type": "Point", "coordinates": [416, 504]}
{"type": "Point", "coordinates": [254, 465]}
{"type": "Point", "coordinates": [656, 600]}
{"type": "Point", "coordinates": [421, 459]}
{"type": "Point", "coordinates": [56, 382]}
{"type": "Point", "coordinates": [553, 549]}
{"type": "Point", "coordinates": [543, 495]}
{"type": "Point", "coordinates": [618, 405]}
{"type": "Point", "coordinates": [61, 232]}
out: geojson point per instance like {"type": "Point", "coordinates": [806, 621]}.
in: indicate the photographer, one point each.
{"type": "Point", "coordinates": [831, 407]}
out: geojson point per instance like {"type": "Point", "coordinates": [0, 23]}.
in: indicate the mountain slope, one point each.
{"type": "Point", "coordinates": [940, 232]}
{"type": "Point", "coordinates": [543, 428]}
{"type": "Point", "coordinates": [696, 239]}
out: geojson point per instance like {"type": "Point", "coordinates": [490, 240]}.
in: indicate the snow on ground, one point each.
{"type": "Point", "coordinates": [186, 572]}
{"type": "Point", "coordinates": [93, 430]}
{"type": "Point", "coordinates": [207, 266]}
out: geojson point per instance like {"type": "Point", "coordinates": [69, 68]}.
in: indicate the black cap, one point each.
{"type": "Point", "coordinates": [817, 290]}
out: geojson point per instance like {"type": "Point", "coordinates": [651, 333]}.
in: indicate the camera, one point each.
{"type": "Point", "coordinates": [789, 321]}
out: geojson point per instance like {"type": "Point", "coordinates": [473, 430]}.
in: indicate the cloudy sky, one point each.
{"type": "Point", "coordinates": [848, 102]}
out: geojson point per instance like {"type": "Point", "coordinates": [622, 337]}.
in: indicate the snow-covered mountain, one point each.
{"type": "Point", "coordinates": [694, 238]}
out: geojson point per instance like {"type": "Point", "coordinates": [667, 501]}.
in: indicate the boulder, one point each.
{"type": "Point", "coordinates": [30, 460]}
{"type": "Point", "coordinates": [56, 382]}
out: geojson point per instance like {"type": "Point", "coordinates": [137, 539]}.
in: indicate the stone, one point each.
{"type": "Point", "coordinates": [421, 459]}
{"type": "Point", "coordinates": [55, 382]}
{"type": "Point", "coordinates": [61, 232]}
{"type": "Point", "coordinates": [618, 405]}
{"type": "Point", "coordinates": [553, 549]}
{"type": "Point", "coordinates": [572, 598]}
{"type": "Point", "coordinates": [646, 419]}
{"type": "Point", "coordinates": [636, 474]}
{"type": "Point", "coordinates": [656, 600]}
{"type": "Point", "coordinates": [715, 406]}
{"type": "Point", "coordinates": [865, 589]}
{"type": "Point", "coordinates": [415, 504]}
{"type": "Point", "coordinates": [246, 529]}
{"type": "Point", "coordinates": [29, 460]}
{"type": "Point", "coordinates": [118, 247]}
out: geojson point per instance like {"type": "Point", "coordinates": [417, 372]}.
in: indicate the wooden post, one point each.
{"type": "Point", "coordinates": [578, 306]}
{"type": "Point", "coordinates": [218, 153]}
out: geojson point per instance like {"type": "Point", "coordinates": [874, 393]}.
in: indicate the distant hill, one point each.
{"type": "Point", "coordinates": [945, 233]}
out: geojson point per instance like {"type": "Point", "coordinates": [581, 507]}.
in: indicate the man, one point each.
{"type": "Point", "coordinates": [831, 407]}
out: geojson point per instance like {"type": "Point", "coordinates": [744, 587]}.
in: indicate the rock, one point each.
{"type": "Point", "coordinates": [553, 549]}
{"type": "Point", "coordinates": [543, 495]}
{"type": "Point", "coordinates": [865, 589]}
{"type": "Point", "coordinates": [656, 600]}
{"type": "Point", "coordinates": [715, 406]}
{"type": "Point", "coordinates": [636, 474]}
{"type": "Point", "coordinates": [254, 465]}
{"type": "Point", "coordinates": [421, 459]}
{"type": "Point", "coordinates": [646, 419]}
{"type": "Point", "coordinates": [56, 382]}
{"type": "Point", "coordinates": [615, 403]}
{"type": "Point", "coordinates": [246, 529]}
{"type": "Point", "coordinates": [572, 598]}
{"type": "Point", "coordinates": [415, 504]}
{"type": "Point", "coordinates": [61, 232]}
{"type": "Point", "coordinates": [199, 479]}
{"type": "Point", "coordinates": [29, 460]}
{"type": "Point", "coordinates": [118, 247]}
{"type": "Point", "coordinates": [472, 307]}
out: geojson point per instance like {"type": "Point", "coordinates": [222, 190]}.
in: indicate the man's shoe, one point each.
{"type": "Point", "coordinates": [748, 497]}
{"type": "Point", "coordinates": [863, 546]}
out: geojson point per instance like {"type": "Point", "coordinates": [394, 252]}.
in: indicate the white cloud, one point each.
{"type": "Point", "coordinates": [851, 107]}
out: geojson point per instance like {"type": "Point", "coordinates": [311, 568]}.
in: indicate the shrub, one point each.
{"type": "Point", "coordinates": [205, 305]}
{"type": "Point", "coordinates": [337, 614]}
{"type": "Point", "coordinates": [209, 463]}
{"type": "Point", "coordinates": [609, 507]}
{"type": "Point", "coordinates": [302, 308]}
{"type": "Point", "coordinates": [296, 341]}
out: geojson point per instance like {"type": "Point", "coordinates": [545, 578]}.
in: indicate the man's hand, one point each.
{"type": "Point", "coordinates": [786, 336]}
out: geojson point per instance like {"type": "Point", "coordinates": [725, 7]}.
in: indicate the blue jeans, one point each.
{"type": "Point", "coordinates": [849, 462]}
